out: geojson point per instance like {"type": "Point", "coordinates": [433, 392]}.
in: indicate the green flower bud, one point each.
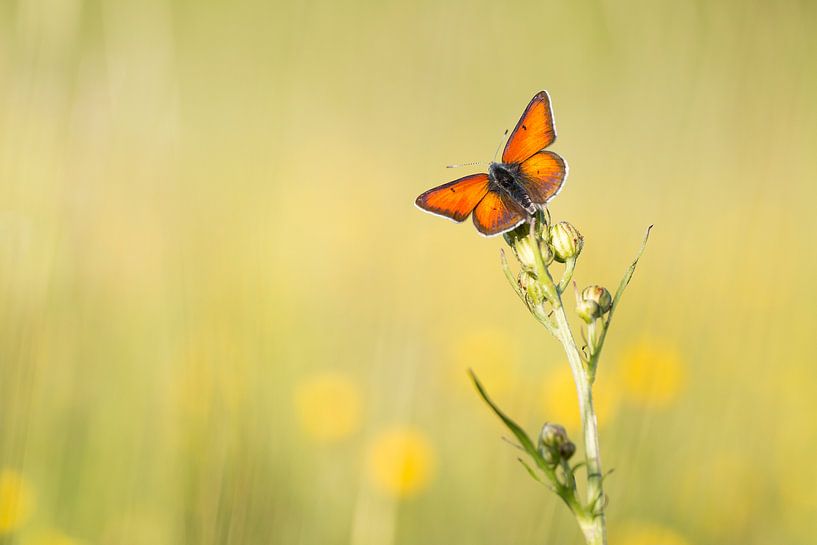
{"type": "Point", "coordinates": [531, 286]}
{"type": "Point", "coordinates": [588, 310]}
{"type": "Point", "coordinates": [524, 251]}
{"type": "Point", "coordinates": [552, 439]}
{"type": "Point", "coordinates": [566, 241]}
{"type": "Point", "coordinates": [519, 240]}
{"type": "Point", "coordinates": [523, 247]}
{"type": "Point", "coordinates": [600, 296]}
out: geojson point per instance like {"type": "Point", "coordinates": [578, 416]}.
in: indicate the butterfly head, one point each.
{"type": "Point", "coordinates": [502, 174]}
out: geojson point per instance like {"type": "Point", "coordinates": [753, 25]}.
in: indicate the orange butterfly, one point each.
{"type": "Point", "coordinates": [526, 179]}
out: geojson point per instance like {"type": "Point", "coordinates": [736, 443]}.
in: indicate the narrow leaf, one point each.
{"type": "Point", "coordinates": [530, 470]}
{"type": "Point", "coordinates": [628, 274]}
{"type": "Point", "coordinates": [518, 432]}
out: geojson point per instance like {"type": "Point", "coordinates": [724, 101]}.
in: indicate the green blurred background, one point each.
{"type": "Point", "coordinates": [224, 321]}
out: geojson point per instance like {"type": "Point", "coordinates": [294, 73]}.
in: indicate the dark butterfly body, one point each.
{"type": "Point", "coordinates": [526, 179]}
{"type": "Point", "coordinates": [505, 177]}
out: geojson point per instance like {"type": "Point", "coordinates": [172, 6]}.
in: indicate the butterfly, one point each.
{"type": "Point", "coordinates": [526, 179]}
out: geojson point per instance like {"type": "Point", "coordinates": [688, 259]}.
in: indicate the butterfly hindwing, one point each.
{"type": "Point", "coordinates": [534, 131]}
{"type": "Point", "coordinates": [497, 213]}
{"type": "Point", "coordinates": [542, 176]}
{"type": "Point", "coordinates": [457, 199]}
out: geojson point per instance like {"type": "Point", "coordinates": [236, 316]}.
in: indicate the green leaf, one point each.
{"type": "Point", "coordinates": [628, 274]}
{"type": "Point", "coordinates": [518, 432]}
{"type": "Point", "coordinates": [530, 470]}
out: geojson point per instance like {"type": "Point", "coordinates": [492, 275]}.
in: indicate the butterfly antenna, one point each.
{"type": "Point", "coordinates": [465, 164]}
{"type": "Point", "coordinates": [481, 162]}
{"type": "Point", "coordinates": [504, 134]}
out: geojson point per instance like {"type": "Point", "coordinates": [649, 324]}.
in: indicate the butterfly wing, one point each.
{"type": "Point", "coordinates": [534, 131]}
{"type": "Point", "coordinates": [542, 176]}
{"type": "Point", "coordinates": [497, 213]}
{"type": "Point", "coordinates": [457, 199]}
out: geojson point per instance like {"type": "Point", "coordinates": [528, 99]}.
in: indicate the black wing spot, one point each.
{"type": "Point", "coordinates": [452, 190]}
{"type": "Point", "coordinates": [524, 127]}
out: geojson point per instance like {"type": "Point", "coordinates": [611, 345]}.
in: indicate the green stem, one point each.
{"type": "Point", "coordinates": [593, 523]}
{"type": "Point", "coordinates": [570, 266]}
{"type": "Point", "coordinates": [591, 518]}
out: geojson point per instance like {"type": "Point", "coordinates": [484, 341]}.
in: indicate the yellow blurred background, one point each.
{"type": "Point", "coordinates": [224, 321]}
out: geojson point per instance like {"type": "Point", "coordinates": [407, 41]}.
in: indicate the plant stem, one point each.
{"type": "Point", "coordinates": [593, 523]}
{"type": "Point", "coordinates": [591, 518]}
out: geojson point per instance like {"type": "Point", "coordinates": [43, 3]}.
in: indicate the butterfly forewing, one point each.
{"type": "Point", "coordinates": [542, 176]}
{"type": "Point", "coordinates": [497, 213]}
{"type": "Point", "coordinates": [534, 131]}
{"type": "Point", "coordinates": [455, 199]}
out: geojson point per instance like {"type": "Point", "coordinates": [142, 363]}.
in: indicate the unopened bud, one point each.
{"type": "Point", "coordinates": [552, 439]}
{"type": "Point", "coordinates": [531, 286]}
{"type": "Point", "coordinates": [566, 241]}
{"type": "Point", "coordinates": [520, 241]}
{"type": "Point", "coordinates": [600, 296]}
{"type": "Point", "coordinates": [523, 247]}
{"type": "Point", "coordinates": [588, 310]}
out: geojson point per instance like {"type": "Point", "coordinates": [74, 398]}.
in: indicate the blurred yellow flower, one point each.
{"type": "Point", "coordinates": [328, 406]}
{"type": "Point", "coordinates": [401, 461]}
{"type": "Point", "coordinates": [16, 501]}
{"type": "Point", "coordinates": [651, 374]}
{"type": "Point", "coordinates": [492, 356]}
{"type": "Point", "coordinates": [561, 405]}
{"type": "Point", "coordinates": [644, 533]}
{"type": "Point", "coordinates": [51, 537]}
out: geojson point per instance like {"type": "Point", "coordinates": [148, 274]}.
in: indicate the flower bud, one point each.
{"type": "Point", "coordinates": [588, 310]}
{"type": "Point", "coordinates": [566, 241]}
{"type": "Point", "coordinates": [520, 241]}
{"type": "Point", "coordinates": [531, 286]}
{"type": "Point", "coordinates": [600, 296]}
{"type": "Point", "coordinates": [523, 249]}
{"type": "Point", "coordinates": [552, 439]}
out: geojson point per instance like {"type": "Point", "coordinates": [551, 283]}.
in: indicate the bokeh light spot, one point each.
{"type": "Point", "coordinates": [328, 406]}
{"type": "Point", "coordinates": [651, 374]}
{"type": "Point", "coordinates": [401, 461]}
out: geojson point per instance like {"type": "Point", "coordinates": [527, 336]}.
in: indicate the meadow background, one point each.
{"type": "Point", "coordinates": [224, 321]}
